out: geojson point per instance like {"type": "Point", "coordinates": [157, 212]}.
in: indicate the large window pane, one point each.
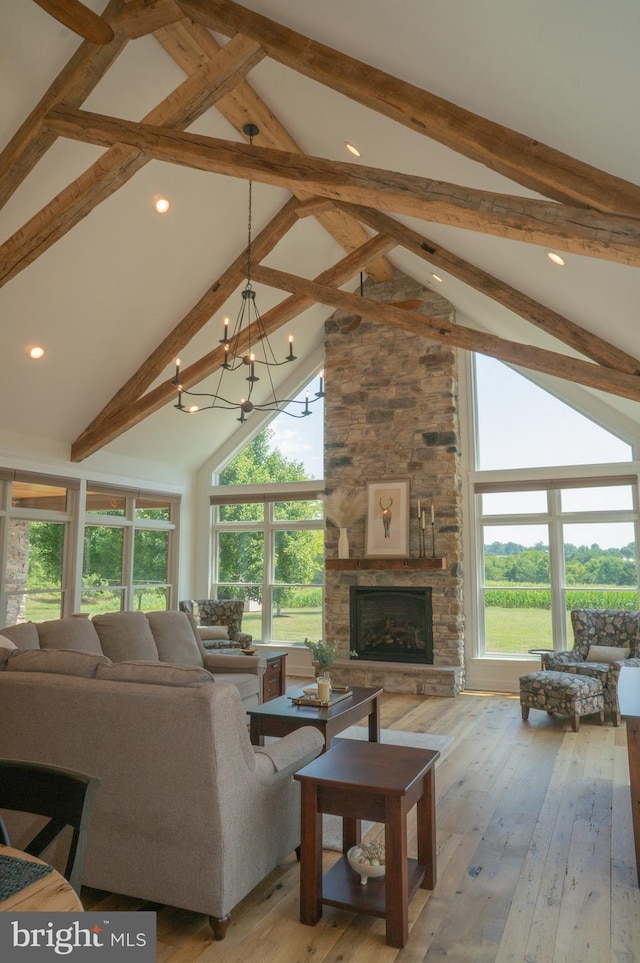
{"type": "Point", "coordinates": [599, 499]}
{"type": "Point", "coordinates": [151, 599]}
{"type": "Point", "coordinates": [299, 557]}
{"type": "Point", "coordinates": [102, 600]}
{"type": "Point", "coordinates": [297, 614]}
{"type": "Point", "coordinates": [34, 573]}
{"type": "Point", "coordinates": [247, 512]}
{"type": "Point", "coordinates": [51, 498]}
{"type": "Point", "coordinates": [520, 425]}
{"type": "Point", "coordinates": [158, 509]}
{"type": "Point", "coordinates": [309, 508]}
{"type": "Point", "coordinates": [514, 503]}
{"type": "Point", "coordinates": [150, 557]}
{"type": "Point", "coordinates": [105, 503]}
{"type": "Point", "coordinates": [600, 566]}
{"type": "Point", "coordinates": [517, 595]}
{"type": "Point", "coordinates": [102, 557]}
{"type": "Point", "coordinates": [240, 557]}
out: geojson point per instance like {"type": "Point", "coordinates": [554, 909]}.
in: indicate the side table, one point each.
{"type": "Point", "coordinates": [274, 680]}
{"type": "Point", "coordinates": [539, 652]}
{"type": "Point", "coordinates": [382, 783]}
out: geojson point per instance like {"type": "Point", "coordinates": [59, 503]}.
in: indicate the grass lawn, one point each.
{"type": "Point", "coordinates": [294, 625]}
{"type": "Point", "coordinates": [517, 630]}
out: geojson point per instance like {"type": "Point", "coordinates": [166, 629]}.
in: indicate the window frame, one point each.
{"type": "Point", "coordinates": [268, 495]}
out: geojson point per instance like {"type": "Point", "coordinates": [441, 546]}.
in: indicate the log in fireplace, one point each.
{"type": "Point", "coordinates": [391, 624]}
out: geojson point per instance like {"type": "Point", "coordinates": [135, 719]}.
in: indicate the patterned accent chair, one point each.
{"type": "Point", "coordinates": [597, 634]}
{"type": "Point", "coordinates": [226, 615]}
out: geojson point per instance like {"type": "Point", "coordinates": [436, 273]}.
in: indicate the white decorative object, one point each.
{"type": "Point", "coordinates": [343, 544]}
{"type": "Point", "coordinates": [367, 859]}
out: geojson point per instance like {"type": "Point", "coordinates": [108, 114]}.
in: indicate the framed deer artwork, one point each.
{"type": "Point", "coordinates": [387, 524]}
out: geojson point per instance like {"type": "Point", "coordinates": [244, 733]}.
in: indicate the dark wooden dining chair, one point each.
{"type": "Point", "coordinates": [64, 796]}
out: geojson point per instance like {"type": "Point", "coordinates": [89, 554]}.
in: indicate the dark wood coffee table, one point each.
{"type": "Point", "coordinates": [364, 780]}
{"type": "Point", "coordinates": [279, 717]}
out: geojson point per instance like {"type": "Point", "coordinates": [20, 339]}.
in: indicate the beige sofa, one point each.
{"type": "Point", "coordinates": [188, 812]}
{"type": "Point", "coordinates": [150, 637]}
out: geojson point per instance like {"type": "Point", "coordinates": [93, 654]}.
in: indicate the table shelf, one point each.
{"type": "Point", "coordinates": [341, 887]}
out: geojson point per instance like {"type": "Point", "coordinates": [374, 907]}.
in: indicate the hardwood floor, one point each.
{"type": "Point", "coordinates": [535, 856]}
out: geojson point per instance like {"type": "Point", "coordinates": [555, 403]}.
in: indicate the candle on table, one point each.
{"type": "Point", "coordinates": [323, 690]}
{"type": "Point", "coordinates": [433, 516]}
{"type": "Point", "coordinates": [419, 514]}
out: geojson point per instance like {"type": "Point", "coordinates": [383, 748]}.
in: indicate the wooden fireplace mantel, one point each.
{"type": "Point", "coordinates": [433, 562]}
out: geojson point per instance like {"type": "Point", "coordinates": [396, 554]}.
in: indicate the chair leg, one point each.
{"type": "Point", "coordinates": [219, 926]}
{"type": "Point", "coordinates": [616, 717]}
{"type": "Point", "coordinates": [601, 717]}
{"type": "Point", "coordinates": [575, 723]}
{"type": "Point", "coordinates": [525, 712]}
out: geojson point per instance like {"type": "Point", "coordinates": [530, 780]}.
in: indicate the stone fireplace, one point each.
{"type": "Point", "coordinates": [391, 411]}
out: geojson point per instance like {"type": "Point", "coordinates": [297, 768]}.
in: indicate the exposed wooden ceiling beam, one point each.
{"type": "Point", "coordinates": [141, 17]}
{"type": "Point", "coordinates": [189, 44]}
{"type": "Point", "coordinates": [210, 302]}
{"type": "Point", "coordinates": [575, 229]}
{"type": "Point", "coordinates": [114, 168]}
{"type": "Point", "coordinates": [122, 419]}
{"type": "Point", "coordinates": [73, 85]}
{"type": "Point", "coordinates": [527, 356]}
{"type": "Point", "coordinates": [520, 158]}
{"type": "Point", "coordinates": [544, 318]}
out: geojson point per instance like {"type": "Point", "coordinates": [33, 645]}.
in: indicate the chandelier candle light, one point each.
{"type": "Point", "coordinates": [248, 345]}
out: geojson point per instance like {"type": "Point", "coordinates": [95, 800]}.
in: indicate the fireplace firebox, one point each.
{"type": "Point", "coordinates": [391, 624]}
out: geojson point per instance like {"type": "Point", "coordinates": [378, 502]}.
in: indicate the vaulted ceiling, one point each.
{"type": "Point", "coordinates": [489, 133]}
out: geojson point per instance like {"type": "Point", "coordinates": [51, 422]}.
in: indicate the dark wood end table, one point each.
{"type": "Point", "coordinates": [274, 680]}
{"type": "Point", "coordinates": [280, 716]}
{"type": "Point", "coordinates": [365, 780]}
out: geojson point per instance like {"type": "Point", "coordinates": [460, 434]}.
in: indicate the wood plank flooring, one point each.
{"type": "Point", "coordinates": [536, 861]}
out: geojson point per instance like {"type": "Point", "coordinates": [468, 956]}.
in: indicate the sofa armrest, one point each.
{"type": "Point", "coordinates": [243, 639]}
{"type": "Point", "coordinates": [614, 667]}
{"type": "Point", "coordinates": [280, 759]}
{"type": "Point", "coordinates": [221, 662]}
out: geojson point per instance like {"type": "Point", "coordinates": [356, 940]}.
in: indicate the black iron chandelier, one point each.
{"type": "Point", "coordinates": [248, 345]}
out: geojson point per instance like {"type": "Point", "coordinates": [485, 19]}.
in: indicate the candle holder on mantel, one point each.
{"type": "Point", "coordinates": [422, 531]}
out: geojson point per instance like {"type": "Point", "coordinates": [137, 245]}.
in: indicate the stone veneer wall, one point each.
{"type": "Point", "coordinates": [391, 410]}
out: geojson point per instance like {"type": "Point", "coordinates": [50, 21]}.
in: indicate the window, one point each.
{"type": "Point", "coordinates": [36, 521]}
{"type": "Point", "coordinates": [547, 543]}
{"type": "Point", "coordinates": [270, 553]}
{"type": "Point", "coordinates": [127, 554]}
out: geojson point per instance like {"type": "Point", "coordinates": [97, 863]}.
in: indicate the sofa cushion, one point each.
{"type": "Point", "coordinates": [6, 643]}
{"type": "Point", "coordinates": [155, 673]}
{"type": "Point", "coordinates": [4, 655]}
{"type": "Point", "coordinates": [125, 636]}
{"type": "Point", "coordinates": [24, 635]}
{"type": "Point", "coordinates": [174, 638]}
{"type": "Point", "coordinates": [246, 683]}
{"type": "Point", "coordinates": [607, 653]}
{"type": "Point", "coordinates": [58, 661]}
{"type": "Point", "coordinates": [77, 634]}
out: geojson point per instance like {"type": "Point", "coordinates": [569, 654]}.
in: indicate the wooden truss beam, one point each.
{"type": "Point", "coordinates": [124, 418]}
{"type": "Point", "coordinates": [189, 44]}
{"type": "Point", "coordinates": [527, 356]}
{"type": "Point", "coordinates": [179, 109]}
{"type": "Point", "coordinates": [72, 86]}
{"type": "Point", "coordinates": [518, 157]}
{"type": "Point", "coordinates": [574, 229]}
{"type": "Point", "coordinates": [544, 318]}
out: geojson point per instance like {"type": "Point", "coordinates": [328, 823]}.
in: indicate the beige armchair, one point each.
{"type": "Point", "coordinates": [225, 615]}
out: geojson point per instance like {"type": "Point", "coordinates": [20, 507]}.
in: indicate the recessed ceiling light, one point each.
{"type": "Point", "coordinates": [36, 352]}
{"type": "Point", "coordinates": [556, 258]}
{"type": "Point", "coordinates": [436, 277]}
{"type": "Point", "coordinates": [161, 205]}
{"type": "Point", "coordinates": [352, 150]}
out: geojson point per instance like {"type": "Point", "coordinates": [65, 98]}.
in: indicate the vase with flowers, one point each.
{"type": "Point", "coordinates": [344, 507]}
{"type": "Point", "coordinates": [323, 653]}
